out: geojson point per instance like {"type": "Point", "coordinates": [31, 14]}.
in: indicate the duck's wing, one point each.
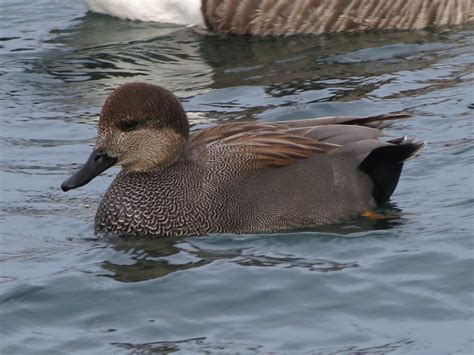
{"type": "Point", "coordinates": [217, 132]}
{"type": "Point", "coordinates": [257, 145]}
{"type": "Point", "coordinates": [225, 130]}
{"type": "Point", "coordinates": [277, 144]}
{"type": "Point", "coordinates": [271, 147]}
{"type": "Point", "coordinates": [374, 121]}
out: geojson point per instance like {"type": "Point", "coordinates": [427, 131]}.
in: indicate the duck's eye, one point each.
{"type": "Point", "coordinates": [128, 126]}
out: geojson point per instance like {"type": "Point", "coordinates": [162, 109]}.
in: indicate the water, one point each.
{"type": "Point", "coordinates": [402, 285]}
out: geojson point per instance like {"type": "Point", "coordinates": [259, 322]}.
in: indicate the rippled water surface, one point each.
{"type": "Point", "coordinates": [402, 285]}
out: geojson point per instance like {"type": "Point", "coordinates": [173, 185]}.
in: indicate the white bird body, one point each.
{"type": "Point", "coordinates": [287, 17]}
{"type": "Point", "coordinates": [179, 12]}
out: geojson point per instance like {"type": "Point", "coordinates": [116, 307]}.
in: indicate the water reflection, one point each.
{"type": "Point", "coordinates": [99, 48]}
{"type": "Point", "coordinates": [206, 346]}
{"type": "Point", "coordinates": [267, 61]}
{"type": "Point", "coordinates": [151, 259]}
{"type": "Point", "coordinates": [196, 345]}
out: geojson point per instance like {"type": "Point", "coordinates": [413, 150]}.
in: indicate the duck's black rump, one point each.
{"type": "Point", "coordinates": [384, 166]}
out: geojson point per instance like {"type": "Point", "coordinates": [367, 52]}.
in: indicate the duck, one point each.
{"type": "Point", "coordinates": [289, 17]}
{"type": "Point", "coordinates": [237, 177]}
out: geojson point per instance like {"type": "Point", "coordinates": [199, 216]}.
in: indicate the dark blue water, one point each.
{"type": "Point", "coordinates": [402, 285]}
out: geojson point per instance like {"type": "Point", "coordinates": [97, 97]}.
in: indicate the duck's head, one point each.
{"type": "Point", "coordinates": [141, 127]}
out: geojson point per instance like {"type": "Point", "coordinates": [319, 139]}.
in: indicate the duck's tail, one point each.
{"type": "Point", "coordinates": [384, 165]}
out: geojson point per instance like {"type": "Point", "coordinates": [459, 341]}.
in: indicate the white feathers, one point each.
{"type": "Point", "coordinates": [180, 12]}
{"type": "Point", "coordinates": [285, 17]}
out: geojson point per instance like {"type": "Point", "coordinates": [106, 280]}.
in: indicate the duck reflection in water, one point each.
{"type": "Point", "coordinates": [155, 258]}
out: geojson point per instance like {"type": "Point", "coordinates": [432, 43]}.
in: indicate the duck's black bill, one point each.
{"type": "Point", "coordinates": [97, 163]}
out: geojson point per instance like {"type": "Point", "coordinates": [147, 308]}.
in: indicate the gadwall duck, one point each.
{"type": "Point", "coordinates": [241, 177]}
{"type": "Point", "coordinates": [286, 17]}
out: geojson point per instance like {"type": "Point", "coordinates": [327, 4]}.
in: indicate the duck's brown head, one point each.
{"type": "Point", "coordinates": [141, 127]}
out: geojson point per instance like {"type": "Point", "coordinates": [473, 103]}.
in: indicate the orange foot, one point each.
{"type": "Point", "coordinates": [372, 215]}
